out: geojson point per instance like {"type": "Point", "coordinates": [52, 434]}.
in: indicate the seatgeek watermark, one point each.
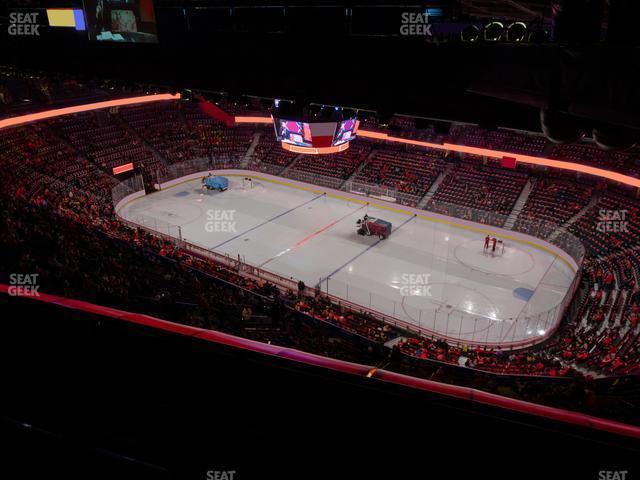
{"type": "Point", "coordinates": [613, 475]}
{"type": "Point", "coordinates": [415, 24]}
{"type": "Point", "coordinates": [221, 474]}
{"type": "Point", "coordinates": [415, 285]}
{"type": "Point", "coordinates": [220, 221]}
{"type": "Point", "coordinates": [24, 24]}
{"type": "Point", "coordinates": [612, 221]}
{"type": "Point", "coordinates": [24, 285]}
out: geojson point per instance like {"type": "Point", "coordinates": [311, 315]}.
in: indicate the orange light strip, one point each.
{"type": "Point", "coordinates": [33, 117]}
{"type": "Point", "coordinates": [315, 151]}
{"type": "Point", "coordinates": [545, 162]}
{"type": "Point", "coordinates": [253, 119]}
{"type": "Point", "coordinates": [123, 168]}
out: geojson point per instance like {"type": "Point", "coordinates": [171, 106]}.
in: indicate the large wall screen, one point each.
{"type": "Point", "coordinates": [121, 21]}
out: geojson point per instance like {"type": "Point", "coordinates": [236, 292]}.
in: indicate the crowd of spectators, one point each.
{"type": "Point", "coordinates": [605, 336]}
{"type": "Point", "coordinates": [58, 221]}
{"type": "Point", "coordinates": [478, 192]}
{"type": "Point", "coordinates": [162, 126]}
{"type": "Point", "coordinates": [551, 203]}
{"type": "Point", "coordinates": [181, 131]}
{"type": "Point", "coordinates": [81, 252]}
{"type": "Point", "coordinates": [494, 360]}
{"type": "Point", "coordinates": [337, 165]}
{"type": "Point", "coordinates": [43, 154]}
{"type": "Point", "coordinates": [610, 226]}
{"type": "Point", "coordinates": [29, 91]}
{"type": "Point", "coordinates": [407, 170]}
{"type": "Point", "coordinates": [269, 156]}
{"type": "Point", "coordinates": [589, 154]}
{"type": "Point", "coordinates": [499, 139]}
{"type": "Point", "coordinates": [107, 143]}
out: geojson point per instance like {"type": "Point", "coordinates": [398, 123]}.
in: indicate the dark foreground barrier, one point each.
{"type": "Point", "coordinates": [138, 393]}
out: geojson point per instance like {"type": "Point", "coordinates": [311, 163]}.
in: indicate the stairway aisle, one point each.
{"type": "Point", "coordinates": [434, 186]}
{"type": "Point", "coordinates": [249, 155]}
{"type": "Point", "coordinates": [520, 203]}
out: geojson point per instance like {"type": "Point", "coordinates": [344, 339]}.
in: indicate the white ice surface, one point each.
{"type": "Point", "coordinates": [429, 274]}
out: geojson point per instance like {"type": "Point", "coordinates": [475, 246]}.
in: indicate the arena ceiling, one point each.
{"type": "Point", "coordinates": [498, 83]}
{"type": "Point", "coordinates": [507, 9]}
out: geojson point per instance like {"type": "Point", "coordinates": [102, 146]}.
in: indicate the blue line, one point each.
{"type": "Point", "coordinates": [267, 221]}
{"type": "Point", "coordinates": [363, 252]}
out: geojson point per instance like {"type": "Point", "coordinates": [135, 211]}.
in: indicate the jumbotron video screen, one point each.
{"type": "Point", "coordinates": [327, 127]}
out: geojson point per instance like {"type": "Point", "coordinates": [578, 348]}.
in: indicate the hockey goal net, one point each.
{"type": "Point", "coordinates": [247, 183]}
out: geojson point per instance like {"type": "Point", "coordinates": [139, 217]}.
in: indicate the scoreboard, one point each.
{"type": "Point", "coordinates": [315, 131]}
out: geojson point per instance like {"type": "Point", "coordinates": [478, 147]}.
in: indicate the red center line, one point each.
{"type": "Point", "coordinates": [309, 237]}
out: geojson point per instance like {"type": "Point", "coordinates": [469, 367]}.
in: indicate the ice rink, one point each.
{"type": "Point", "coordinates": [431, 274]}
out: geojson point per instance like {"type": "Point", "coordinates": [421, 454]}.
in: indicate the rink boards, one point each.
{"type": "Point", "coordinates": [431, 273]}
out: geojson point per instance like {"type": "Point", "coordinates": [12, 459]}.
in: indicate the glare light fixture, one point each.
{"type": "Point", "coordinates": [493, 31]}
{"type": "Point", "coordinates": [470, 33]}
{"type": "Point", "coordinates": [517, 32]}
